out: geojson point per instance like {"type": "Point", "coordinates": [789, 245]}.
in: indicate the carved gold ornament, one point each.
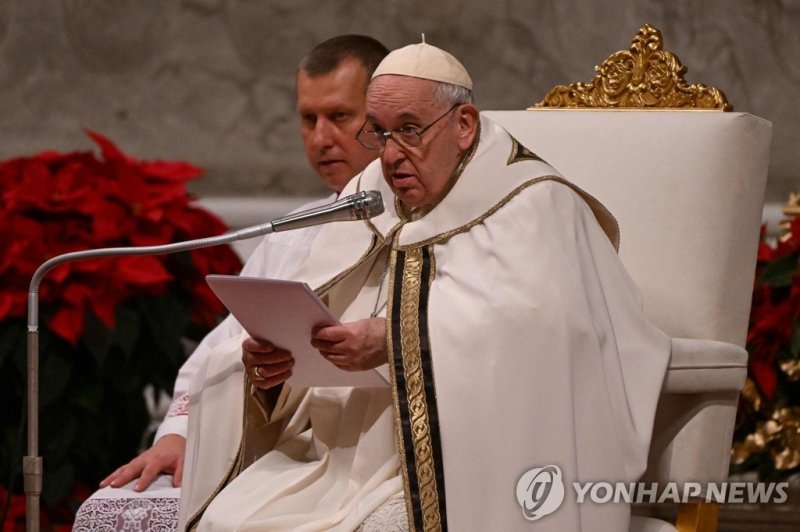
{"type": "Point", "coordinates": [791, 210]}
{"type": "Point", "coordinates": [779, 435]}
{"type": "Point", "coordinates": [751, 395]}
{"type": "Point", "coordinates": [791, 368]}
{"type": "Point", "coordinates": [646, 76]}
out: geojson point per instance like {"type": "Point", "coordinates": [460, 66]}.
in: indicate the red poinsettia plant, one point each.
{"type": "Point", "coordinates": [109, 327]}
{"type": "Point", "coordinates": [55, 203]}
{"type": "Point", "coordinates": [767, 437]}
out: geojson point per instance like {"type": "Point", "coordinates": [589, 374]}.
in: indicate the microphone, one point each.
{"type": "Point", "coordinates": [358, 206]}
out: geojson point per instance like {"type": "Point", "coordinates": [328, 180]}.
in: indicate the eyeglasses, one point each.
{"type": "Point", "coordinates": [406, 136]}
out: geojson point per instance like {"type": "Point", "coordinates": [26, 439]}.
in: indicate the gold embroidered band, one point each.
{"type": "Point", "coordinates": [414, 391]}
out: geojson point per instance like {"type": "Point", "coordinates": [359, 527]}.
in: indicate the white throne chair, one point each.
{"type": "Point", "coordinates": [685, 179]}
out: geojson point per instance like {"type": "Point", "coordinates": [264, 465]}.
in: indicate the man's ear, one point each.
{"type": "Point", "coordinates": [468, 120]}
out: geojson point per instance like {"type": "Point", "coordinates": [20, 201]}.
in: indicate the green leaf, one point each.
{"type": "Point", "coordinates": [59, 478]}
{"type": "Point", "coordinates": [128, 328]}
{"type": "Point", "coordinates": [167, 317]}
{"type": "Point", "coordinates": [58, 431]}
{"type": "Point", "coordinates": [88, 395]}
{"type": "Point", "coordinates": [96, 338]}
{"type": "Point", "coordinates": [12, 340]}
{"type": "Point", "coordinates": [19, 353]}
{"type": "Point", "coordinates": [55, 370]}
{"type": "Point", "coordinates": [794, 348]}
{"type": "Point", "coordinates": [779, 272]}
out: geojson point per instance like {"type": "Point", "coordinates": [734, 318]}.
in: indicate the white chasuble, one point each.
{"type": "Point", "coordinates": [516, 340]}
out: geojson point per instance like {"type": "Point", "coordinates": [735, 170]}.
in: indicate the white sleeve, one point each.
{"type": "Point", "coordinates": [286, 251]}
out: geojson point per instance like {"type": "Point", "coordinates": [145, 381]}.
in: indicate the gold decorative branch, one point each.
{"type": "Point", "coordinates": [791, 210]}
{"type": "Point", "coordinates": [646, 76]}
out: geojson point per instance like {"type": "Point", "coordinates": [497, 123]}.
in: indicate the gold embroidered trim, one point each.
{"type": "Point", "coordinates": [645, 76]}
{"type": "Point", "coordinates": [415, 390]}
{"type": "Point", "coordinates": [442, 237]}
{"type": "Point", "coordinates": [520, 153]}
{"type": "Point", "coordinates": [233, 471]}
{"type": "Point", "coordinates": [398, 424]}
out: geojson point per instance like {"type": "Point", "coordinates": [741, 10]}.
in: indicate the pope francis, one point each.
{"type": "Point", "coordinates": [490, 294]}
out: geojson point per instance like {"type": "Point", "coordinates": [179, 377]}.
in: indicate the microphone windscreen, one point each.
{"type": "Point", "coordinates": [373, 203]}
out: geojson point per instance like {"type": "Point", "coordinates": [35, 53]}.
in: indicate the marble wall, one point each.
{"type": "Point", "coordinates": [211, 81]}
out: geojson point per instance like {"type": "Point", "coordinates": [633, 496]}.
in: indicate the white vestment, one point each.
{"type": "Point", "coordinates": [516, 340]}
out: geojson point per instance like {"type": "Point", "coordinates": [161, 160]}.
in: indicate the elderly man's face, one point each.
{"type": "Point", "coordinates": [419, 176]}
{"type": "Point", "coordinates": [331, 109]}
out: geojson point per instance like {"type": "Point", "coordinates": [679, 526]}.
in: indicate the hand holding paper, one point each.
{"type": "Point", "coordinates": [283, 315]}
{"type": "Point", "coordinates": [273, 365]}
{"type": "Point", "coordinates": [356, 346]}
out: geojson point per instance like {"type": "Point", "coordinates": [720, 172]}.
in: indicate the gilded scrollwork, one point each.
{"type": "Point", "coordinates": [791, 210]}
{"type": "Point", "coordinates": [779, 435]}
{"type": "Point", "coordinates": [645, 76]}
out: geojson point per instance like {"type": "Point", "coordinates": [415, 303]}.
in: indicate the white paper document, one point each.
{"type": "Point", "coordinates": [284, 313]}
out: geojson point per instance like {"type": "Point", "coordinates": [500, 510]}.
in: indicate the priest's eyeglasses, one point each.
{"type": "Point", "coordinates": [406, 136]}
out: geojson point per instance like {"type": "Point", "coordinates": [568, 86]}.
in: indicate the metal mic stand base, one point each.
{"type": "Point", "coordinates": [32, 475]}
{"type": "Point", "coordinates": [32, 464]}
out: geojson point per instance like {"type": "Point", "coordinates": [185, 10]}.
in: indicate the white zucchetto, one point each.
{"type": "Point", "coordinates": [426, 62]}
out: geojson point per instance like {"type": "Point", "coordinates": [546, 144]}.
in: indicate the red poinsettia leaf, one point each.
{"type": "Point", "coordinates": [49, 156]}
{"type": "Point", "coordinates": [6, 304]}
{"type": "Point", "coordinates": [10, 177]}
{"type": "Point", "coordinates": [68, 323]}
{"type": "Point", "coordinates": [36, 179]}
{"type": "Point", "coordinates": [108, 148]}
{"type": "Point", "coordinates": [226, 261]}
{"type": "Point", "coordinates": [167, 195]}
{"type": "Point", "coordinates": [765, 252]}
{"type": "Point", "coordinates": [104, 307]}
{"type": "Point", "coordinates": [201, 258]}
{"type": "Point", "coordinates": [77, 294]}
{"type": "Point", "coordinates": [57, 275]}
{"type": "Point", "coordinates": [25, 251]}
{"type": "Point", "coordinates": [149, 233]}
{"type": "Point", "coordinates": [765, 377]}
{"type": "Point", "coordinates": [109, 221]}
{"type": "Point", "coordinates": [215, 260]}
{"type": "Point", "coordinates": [16, 513]}
{"type": "Point", "coordinates": [141, 271]}
{"type": "Point", "coordinates": [198, 223]}
{"type": "Point", "coordinates": [171, 171]}
{"type": "Point", "coordinates": [18, 296]}
{"type": "Point", "coordinates": [93, 267]}
{"type": "Point", "coordinates": [206, 306]}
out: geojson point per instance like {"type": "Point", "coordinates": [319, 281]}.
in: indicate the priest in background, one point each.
{"type": "Point", "coordinates": [331, 89]}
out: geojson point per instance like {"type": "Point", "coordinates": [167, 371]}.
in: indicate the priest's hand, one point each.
{"type": "Point", "coordinates": [355, 346]}
{"type": "Point", "coordinates": [267, 366]}
{"type": "Point", "coordinates": [165, 456]}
